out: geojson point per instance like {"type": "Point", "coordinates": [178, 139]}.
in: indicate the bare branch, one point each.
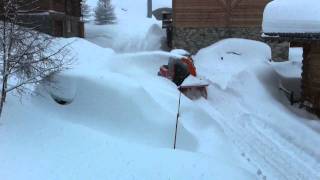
{"type": "Point", "coordinates": [27, 57]}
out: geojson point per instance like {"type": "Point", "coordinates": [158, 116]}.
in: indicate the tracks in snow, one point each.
{"type": "Point", "coordinates": [273, 155]}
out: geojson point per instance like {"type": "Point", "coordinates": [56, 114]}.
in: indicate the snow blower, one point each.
{"type": "Point", "coordinates": [183, 73]}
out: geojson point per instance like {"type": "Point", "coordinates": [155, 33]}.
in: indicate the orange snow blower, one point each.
{"type": "Point", "coordinates": [183, 73]}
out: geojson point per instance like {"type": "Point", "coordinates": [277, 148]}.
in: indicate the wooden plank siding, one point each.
{"type": "Point", "coordinates": [311, 75]}
{"type": "Point", "coordinates": [218, 13]}
{"type": "Point", "coordinates": [69, 7]}
{"type": "Point", "coordinates": [54, 17]}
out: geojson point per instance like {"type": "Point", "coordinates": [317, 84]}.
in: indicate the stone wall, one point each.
{"type": "Point", "coordinates": [194, 39]}
{"type": "Point", "coordinates": [280, 50]}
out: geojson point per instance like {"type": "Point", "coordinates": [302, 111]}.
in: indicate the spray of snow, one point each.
{"type": "Point", "coordinates": [133, 32]}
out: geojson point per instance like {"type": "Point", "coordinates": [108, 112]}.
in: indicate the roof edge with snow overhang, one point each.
{"type": "Point", "coordinates": [292, 36]}
{"type": "Point", "coordinates": [298, 19]}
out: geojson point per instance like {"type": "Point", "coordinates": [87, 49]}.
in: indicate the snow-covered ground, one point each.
{"type": "Point", "coordinates": [119, 125]}
{"type": "Point", "coordinates": [274, 137]}
{"type": "Point", "coordinates": [119, 122]}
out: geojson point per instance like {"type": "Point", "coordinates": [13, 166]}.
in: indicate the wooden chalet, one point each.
{"type": "Point", "coordinates": [200, 23]}
{"type": "Point", "coordinates": [218, 13]}
{"type": "Point", "coordinates": [310, 85]}
{"type": "Point", "coordinates": [61, 18]}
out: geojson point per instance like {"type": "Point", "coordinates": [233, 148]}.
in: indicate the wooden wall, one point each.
{"type": "Point", "coordinates": [58, 5]}
{"type": "Point", "coordinates": [311, 75]}
{"type": "Point", "coordinates": [70, 7]}
{"type": "Point", "coordinates": [218, 13]}
{"type": "Point", "coordinates": [31, 5]}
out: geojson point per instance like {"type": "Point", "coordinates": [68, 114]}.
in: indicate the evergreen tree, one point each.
{"type": "Point", "coordinates": [104, 13]}
{"type": "Point", "coordinates": [85, 10]}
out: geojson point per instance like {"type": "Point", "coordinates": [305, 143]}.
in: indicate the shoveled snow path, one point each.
{"type": "Point", "coordinates": [264, 148]}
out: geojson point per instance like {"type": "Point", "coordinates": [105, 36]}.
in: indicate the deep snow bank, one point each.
{"type": "Point", "coordinates": [128, 94]}
{"type": "Point", "coordinates": [220, 62]}
{"type": "Point", "coordinates": [112, 91]}
{"type": "Point", "coordinates": [291, 68]}
{"type": "Point", "coordinates": [119, 125]}
{"type": "Point", "coordinates": [38, 144]}
{"type": "Point", "coordinates": [292, 16]}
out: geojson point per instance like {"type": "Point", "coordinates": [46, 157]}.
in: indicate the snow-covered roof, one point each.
{"type": "Point", "coordinates": [292, 16]}
{"type": "Point", "coordinates": [158, 13]}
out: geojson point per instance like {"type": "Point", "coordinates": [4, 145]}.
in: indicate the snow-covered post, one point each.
{"type": "Point", "coordinates": [149, 9]}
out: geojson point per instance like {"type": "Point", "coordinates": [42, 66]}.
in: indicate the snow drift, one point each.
{"type": "Point", "coordinates": [220, 62]}
{"type": "Point", "coordinates": [121, 116]}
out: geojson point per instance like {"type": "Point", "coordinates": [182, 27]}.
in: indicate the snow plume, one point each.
{"type": "Point", "coordinates": [121, 40]}
{"type": "Point", "coordinates": [133, 32]}
{"type": "Point", "coordinates": [151, 41]}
